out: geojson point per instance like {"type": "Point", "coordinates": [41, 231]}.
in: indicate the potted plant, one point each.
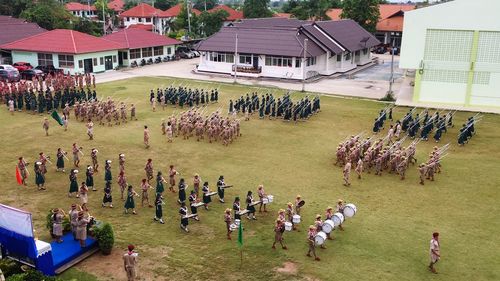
{"type": "Point", "coordinates": [105, 238]}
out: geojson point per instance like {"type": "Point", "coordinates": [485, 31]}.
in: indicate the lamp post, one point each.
{"type": "Point", "coordinates": [304, 58]}
{"type": "Point", "coordinates": [391, 81]}
{"type": "Point", "coordinates": [235, 56]}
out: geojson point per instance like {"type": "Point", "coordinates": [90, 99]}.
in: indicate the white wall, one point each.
{"type": "Point", "coordinates": [439, 92]}
{"type": "Point", "coordinates": [128, 61]}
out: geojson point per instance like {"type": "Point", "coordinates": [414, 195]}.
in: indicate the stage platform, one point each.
{"type": "Point", "coordinates": [69, 252]}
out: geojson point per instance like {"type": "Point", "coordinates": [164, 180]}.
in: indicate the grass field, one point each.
{"type": "Point", "coordinates": [388, 239]}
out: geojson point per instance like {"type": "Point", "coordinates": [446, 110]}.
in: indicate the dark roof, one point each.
{"type": "Point", "coordinates": [132, 38]}
{"type": "Point", "coordinates": [285, 37]}
{"type": "Point", "coordinates": [262, 41]}
{"type": "Point", "coordinates": [14, 29]}
{"type": "Point", "coordinates": [349, 34]}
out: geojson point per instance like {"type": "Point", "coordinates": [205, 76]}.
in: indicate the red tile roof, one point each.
{"type": "Point", "coordinates": [75, 6]}
{"type": "Point", "coordinates": [282, 15]}
{"type": "Point", "coordinates": [62, 41]}
{"type": "Point", "coordinates": [142, 10]}
{"type": "Point", "coordinates": [14, 29]}
{"type": "Point", "coordinates": [391, 16]}
{"type": "Point", "coordinates": [116, 5]}
{"type": "Point", "coordinates": [233, 14]}
{"type": "Point", "coordinates": [148, 27]}
{"type": "Point", "coordinates": [176, 10]}
{"type": "Point", "coordinates": [132, 38]}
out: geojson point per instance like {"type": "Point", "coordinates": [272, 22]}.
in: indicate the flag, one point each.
{"type": "Point", "coordinates": [56, 117]}
{"type": "Point", "coordinates": [240, 235]}
{"type": "Point", "coordinates": [18, 176]}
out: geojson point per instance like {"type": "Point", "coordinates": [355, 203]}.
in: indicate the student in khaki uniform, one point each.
{"type": "Point", "coordinates": [311, 242]}
{"type": "Point", "coordinates": [46, 126]}
{"type": "Point", "coordinates": [434, 252]}
{"type": "Point", "coordinates": [347, 173]}
{"type": "Point", "coordinates": [130, 263]}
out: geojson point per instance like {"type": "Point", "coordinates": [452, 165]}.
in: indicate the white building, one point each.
{"type": "Point", "coordinates": [275, 47]}
{"type": "Point", "coordinates": [81, 10]}
{"type": "Point", "coordinates": [455, 49]}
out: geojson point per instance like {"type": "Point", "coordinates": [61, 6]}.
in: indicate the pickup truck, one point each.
{"type": "Point", "coordinates": [49, 69]}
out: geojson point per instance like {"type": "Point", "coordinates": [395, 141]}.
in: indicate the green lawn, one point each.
{"type": "Point", "coordinates": [387, 240]}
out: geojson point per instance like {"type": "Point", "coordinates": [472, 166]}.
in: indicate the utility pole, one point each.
{"type": "Point", "coordinates": [392, 69]}
{"type": "Point", "coordinates": [236, 56]}
{"type": "Point", "coordinates": [103, 20]}
{"type": "Point", "coordinates": [304, 58]}
{"type": "Point", "coordinates": [189, 16]}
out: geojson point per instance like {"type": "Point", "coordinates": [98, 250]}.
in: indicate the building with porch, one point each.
{"type": "Point", "coordinates": [70, 50]}
{"type": "Point", "coordinates": [81, 10]}
{"type": "Point", "coordinates": [286, 48]}
{"type": "Point", "coordinates": [390, 23]}
{"type": "Point", "coordinates": [137, 44]}
{"type": "Point", "coordinates": [456, 58]}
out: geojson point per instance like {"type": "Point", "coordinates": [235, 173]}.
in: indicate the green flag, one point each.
{"type": "Point", "coordinates": [56, 117]}
{"type": "Point", "coordinates": [240, 235]}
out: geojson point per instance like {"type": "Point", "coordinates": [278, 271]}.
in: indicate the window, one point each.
{"type": "Point", "coordinates": [298, 63]}
{"type": "Point", "coordinates": [311, 61]}
{"type": "Point", "coordinates": [135, 53]}
{"type": "Point", "coordinates": [220, 57]}
{"type": "Point", "coordinates": [339, 57]}
{"type": "Point", "coordinates": [45, 59]}
{"type": "Point", "coordinates": [280, 61]}
{"type": "Point", "coordinates": [80, 64]}
{"type": "Point", "coordinates": [158, 51]}
{"type": "Point", "coordinates": [125, 55]}
{"type": "Point", "coordinates": [246, 59]}
{"type": "Point", "coordinates": [95, 61]}
{"type": "Point", "coordinates": [114, 59]}
{"type": "Point", "coordinates": [128, 19]}
{"type": "Point", "coordinates": [66, 61]}
{"type": "Point", "coordinates": [365, 51]}
{"type": "Point", "coordinates": [347, 57]}
{"type": "Point", "coordinates": [101, 60]}
{"type": "Point", "coordinates": [169, 51]}
{"type": "Point", "coordinates": [148, 19]}
{"type": "Point", "coordinates": [146, 52]}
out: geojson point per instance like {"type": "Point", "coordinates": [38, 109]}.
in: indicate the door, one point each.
{"type": "Point", "coordinates": [120, 58]}
{"type": "Point", "coordinates": [256, 62]}
{"type": "Point", "coordinates": [88, 66]}
{"type": "Point", "coordinates": [108, 62]}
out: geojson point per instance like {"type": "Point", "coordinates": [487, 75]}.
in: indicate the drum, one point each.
{"type": "Point", "coordinates": [197, 205]}
{"type": "Point", "coordinates": [270, 198]}
{"type": "Point", "coordinates": [288, 226]}
{"type": "Point", "coordinates": [244, 212]}
{"type": "Point", "coordinates": [265, 200]}
{"type": "Point", "coordinates": [349, 210]}
{"type": "Point", "coordinates": [237, 222]}
{"type": "Point", "coordinates": [211, 193]}
{"type": "Point", "coordinates": [320, 238]}
{"type": "Point", "coordinates": [296, 219]}
{"type": "Point", "coordinates": [328, 226]}
{"type": "Point", "coordinates": [233, 227]}
{"type": "Point", "coordinates": [338, 219]}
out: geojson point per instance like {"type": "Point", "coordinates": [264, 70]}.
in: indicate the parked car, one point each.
{"type": "Point", "coordinates": [185, 53]}
{"type": "Point", "coordinates": [9, 75]}
{"type": "Point", "coordinates": [7, 67]}
{"type": "Point", "coordinates": [22, 66]}
{"type": "Point", "coordinates": [30, 73]}
{"type": "Point", "coordinates": [49, 69]}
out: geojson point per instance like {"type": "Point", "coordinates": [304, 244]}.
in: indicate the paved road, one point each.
{"type": "Point", "coordinates": [371, 83]}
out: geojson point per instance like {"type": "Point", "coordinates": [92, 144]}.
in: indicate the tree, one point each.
{"type": "Point", "coordinates": [130, 4]}
{"type": "Point", "coordinates": [165, 4]}
{"type": "Point", "coordinates": [87, 26]}
{"type": "Point", "coordinates": [335, 4]}
{"type": "Point", "coordinates": [200, 4]}
{"type": "Point", "coordinates": [48, 14]}
{"type": "Point", "coordinates": [13, 7]}
{"type": "Point", "coordinates": [290, 5]}
{"type": "Point", "coordinates": [99, 5]}
{"type": "Point", "coordinates": [310, 9]}
{"type": "Point", "coordinates": [256, 9]}
{"type": "Point", "coordinates": [365, 12]}
{"type": "Point", "coordinates": [181, 22]}
{"type": "Point", "coordinates": [212, 22]}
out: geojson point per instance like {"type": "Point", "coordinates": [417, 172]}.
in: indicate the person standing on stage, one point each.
{"type": "Point", "coordinates": [435, 252]}
{"type": "Point", "coordinates": [57, 228]}
{"type": "Point", "coordinates": [227, 220]}
{"type": "Point", "coordinates": [73, 218]}
{"type": "Point", "coordinates": [220, 188]}
{"type": "Point", "coordinates": [81, 228]}
{"type": "Point", "coordinates": [159, 209]}
{"type": "Point", "coordinates": [311, 242]}
{"type": "Point", "coordinates": [130, 263]}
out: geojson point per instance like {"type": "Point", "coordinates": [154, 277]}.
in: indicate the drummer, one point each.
{"type": "Point", "coordinates": [289, 214]}
{"type": "Point", "coordinates": [279, 228]}
{"type": "Point", "coordinates": [227, 220]}
{"type": "Point", "coordinates": [206, 198]}
{"type": "Point", "coordinates": [319, 227]}
{"type": "Point", "coordinates": [329, 216]}
{"type": "Point", "coordinates": [220, 188]}
{"type": "Point", "coordinates": [237, 208]}
{"type": "Point", "coordinates": [262, 194]}
{"type": "Point", "coordinates": [193, 199]}
{"type": "Point", "coordinates": [183, 212]}
{"type": "Point", "coordinates": [281, 215]}
{"type": "Point", "coordinates": [250, 208]}
{"type": "Point", "coordinates": [159, 209]}
{"type": "Point", "coordinates": [311, 242]}
{"type": "Point", "coordinates": [340, 209]}
{"type": "Point", "coordinates": [298, 199]}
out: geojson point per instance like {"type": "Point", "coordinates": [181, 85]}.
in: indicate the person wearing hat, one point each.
{"type": "Point", "coordinates": [311, 242]}
{"type": "Point", "coordinates": [182, 191]}
{"type": "Point", "coordinates": [281, 215]}
{"type": "Point", "coordinates": [39, 177]}
{"type": "Point", "coordinates": [132, 112]}
{"type": "Point", "coordinates": [84, 190]}
{"type": "Point", "coordinates": [192, 200]}
{"type": "Point", "coordinates": [171, 175]}
{"type": "Point", "coordinates": [159, 184]}
{"type": "Point", "coordinates": [46, 125]}
{"type": "Point", "coordinates": [319, 227]}
{"type": "Point", "coordinates": [196, 184]}
{"type": "Point", "coordinates": [145, 186]}
{"type": "Point", "coordinates": [43, 162]}
{"type": "Point", "coordinates": [107, 171]}
{"type": "Point", "coordinates": [347, 173]}
{"type": "Point", "coordinates": [57, 220]}
{"type": "Point", "coordinates": [21, 165]}
{"type": "Point", "coordinates": [279, 229]}
{"type": "Point", "coordinates": [60, 160]}
{"type": "Point", "coordinates": [340, 209]}
{"type": "Point", "coordinates": [227, 220]}
{"type": "Point", "coordinates": [262, 194]}
{"type": "Point", "coordinates": [73, 185]}
{"type": "Point", "coordinates": [359, 167]}
{"type": "Point", "coordinates": [121, 162]}
{"type": "Point", "coordinates": [146, 136]}
{"type": "Point", "coordinates": [250, 208]}
{"type": "Point", "coordinates": [90, 129]}
{"type": "Point", "coordinates": [206, 198]}
{"type": "Point", "coordinates": [220, 188]}
{"type": "Point", "coordinates": [183, 212]}
{"type": "Point", "coordinates": [298, 204]}
{"type": "Point", "coordinates": [89, 180]}
{"type": "Point", "coordinates": [237, 208]}
{"type": "Point", "coordinates": [81, 228]}
{"type": "Point", "coordinates": [95, 163]}
{"type": "Point", "coordinates": [122, 183]}
{"type": "Point", "coordinates": [422, 169]}
{"type": "Point", "coordinates": [107, 198]}
{"type": "Point", "coordinates": [130, 263]}
{"type": "Point", "coordinates": [130, 203]}
{"type": "Point", "coordinates": [435, 252]}
{"type": "Point", "coordinates": [76, 156]}
{"type": "Point", "coordinates": [149, 169]}
{"type": "Point", "coordinates": [329, 216]}
{"type": "Point", "coordinates": [73, 218]}
{"type": "Point", "coordinates": [159, 209]}
{"type": "Point", "coordinates": [289, 214]}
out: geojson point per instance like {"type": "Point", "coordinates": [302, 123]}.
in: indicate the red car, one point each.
{"type": "Point", "coordinates": [22, 66]}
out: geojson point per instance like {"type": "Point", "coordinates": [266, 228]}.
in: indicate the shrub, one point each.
{"type": "Point", "coordinates": [172, 35]}
{"type": "Point", "coordinates": [10, 267]}
{"type": "Point", "coordinates": [105, 238]}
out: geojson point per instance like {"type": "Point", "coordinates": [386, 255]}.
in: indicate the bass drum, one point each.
{"type": "Point", "coordinates": [350, 210]}
{"type": "Point", "coordinates": [338, 219]}
{"type": "Point", "coordinates": [320, 238]}
{"type": "Point", "coordinates": [328, 226]}
{"type": "Point", "coordinates": [288, 226]}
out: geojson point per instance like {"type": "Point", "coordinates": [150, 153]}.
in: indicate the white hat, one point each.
{"type": "Point", "coordinates": [38, 163]}
{"type": "Point", "coordinates": [76, 171]}
{"type": "Point", "coordinates": [122, 155]}
{"type": "Point", "coordinates": [108, 161]}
